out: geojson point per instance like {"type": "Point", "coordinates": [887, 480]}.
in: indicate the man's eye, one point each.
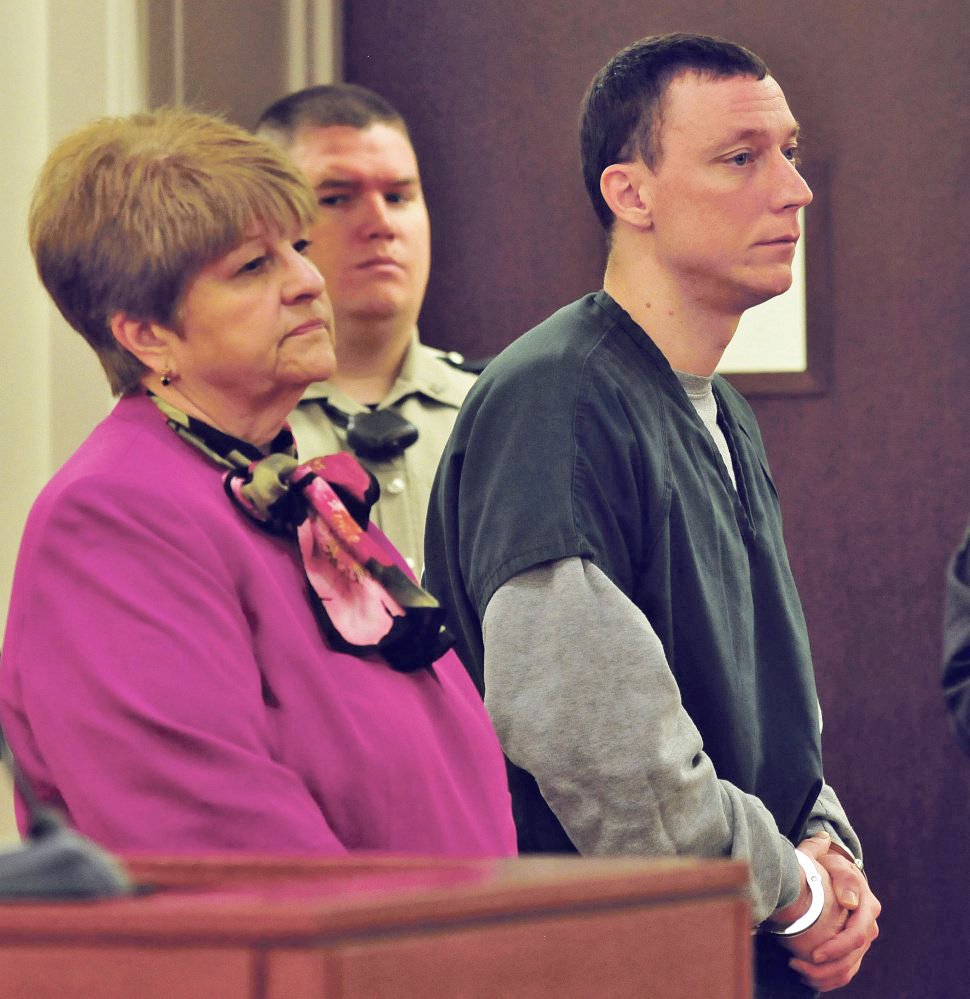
{"type": "Point", "coordinates": [741, 159]}
{"type": "Point", "coordinates": [332, 200]}
{"type": "Point", "coordinates": [792, 155]}
{"type": "Point", "coordinates": [396, 198]}
{"type": "Point", "coordinates": [301, 245]}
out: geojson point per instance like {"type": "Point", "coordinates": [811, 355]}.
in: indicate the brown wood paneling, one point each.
{"type": "Point", "coordinates": [874, 473]}
{"type": "Point", "coordinates": [606, 955]}
{"type": "Point", "coordinates": [340, 928]}
{"type": "Point", "coordinates": [105, 972]}
{"type": "Point", "coordinates": [298, 974]}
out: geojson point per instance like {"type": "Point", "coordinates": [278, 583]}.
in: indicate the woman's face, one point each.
{"type": "Point", "coordinates": [256, 327]}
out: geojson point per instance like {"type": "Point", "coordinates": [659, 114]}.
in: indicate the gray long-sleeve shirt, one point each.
{"type": "Point", "coordinates": [582, 697]}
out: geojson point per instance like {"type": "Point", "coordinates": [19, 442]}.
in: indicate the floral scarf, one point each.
{"type": "Point", "coordinates": [365, 603]}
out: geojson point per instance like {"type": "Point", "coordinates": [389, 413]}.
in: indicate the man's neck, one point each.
{"type": "Point", "coordinates": [691, 336]}
{"type": "Point", "coordinates": [369, 358]}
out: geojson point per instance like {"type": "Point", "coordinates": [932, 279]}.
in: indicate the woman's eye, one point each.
{"type": "Point", "coordinates": [301, 245]}
{"type": "Point", "coordinates": [252, 265]}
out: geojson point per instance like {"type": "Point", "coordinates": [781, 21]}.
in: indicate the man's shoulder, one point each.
{"type": "Point", "coordinates": [576, 381]}
{"type": "Point", "coordinates": [449, 365]}
{"type": "Point", "coordinates": [585, 350]}
{"type": "Point", "coordinates": [559, 344]}
{"type": "Point", "coordinates": [457, 361]}
{"type": "Point", "coordinates": [569, 327]}
{"type": "Point", "coordinates": [431, 375]}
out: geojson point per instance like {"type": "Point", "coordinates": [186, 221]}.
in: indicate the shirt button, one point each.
{"type": "Point", "coordinates": [395, 486]}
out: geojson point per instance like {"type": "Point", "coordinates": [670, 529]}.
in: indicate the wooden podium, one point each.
{"type": "Point", "coordinates": [370, 927]}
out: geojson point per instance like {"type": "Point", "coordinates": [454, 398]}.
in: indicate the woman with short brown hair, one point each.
{"type": "Point", "coordinates": [208, 646]}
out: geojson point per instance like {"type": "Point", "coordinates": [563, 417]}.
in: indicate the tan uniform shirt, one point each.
{"type": "Point", "coordinates": [428, 392]}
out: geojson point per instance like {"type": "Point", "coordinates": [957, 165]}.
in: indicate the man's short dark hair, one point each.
{"type": "Point", "coordinates": [622, 111]}
{"type": "Point", "coordinates": [326, 105]}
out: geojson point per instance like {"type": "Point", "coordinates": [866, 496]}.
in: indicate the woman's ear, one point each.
{"type": "Point", "coordinates": [146, 339]}
{"type": "Point", "coordinates": [626, 190]}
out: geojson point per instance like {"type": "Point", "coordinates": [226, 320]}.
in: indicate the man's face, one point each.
{"type": "Point", "coordinates": [726, 194]}
{"type": "Point", "coordinates": [372, 239]}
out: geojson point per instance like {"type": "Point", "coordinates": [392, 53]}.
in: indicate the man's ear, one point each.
{"type": "Point", "coordinates": [625, 189]}
{"type": "Point", "coordinates": [146, 339]}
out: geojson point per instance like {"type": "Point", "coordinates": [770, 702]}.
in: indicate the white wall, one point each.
{"type": "Point", "coordinates": [24, 395]}
{"type": "Point", "coordinates": [64, 62]}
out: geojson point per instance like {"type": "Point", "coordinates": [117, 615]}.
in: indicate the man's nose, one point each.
{"type": "Point", "coordinates": [378, 222]}
{"type": "Point", "coordinates": [793, 191]}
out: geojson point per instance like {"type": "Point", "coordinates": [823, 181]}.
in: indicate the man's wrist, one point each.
{"type": "Point", "coordinates": [811, 912]}
{"type": "Point", "coordinates": [836, 847]}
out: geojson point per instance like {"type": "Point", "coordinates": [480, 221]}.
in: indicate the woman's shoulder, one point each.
{"type": "Point", "coordinates": [131, 456]}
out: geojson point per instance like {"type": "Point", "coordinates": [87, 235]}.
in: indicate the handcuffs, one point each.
{"type": "Point", "coordinates": [809, 918]}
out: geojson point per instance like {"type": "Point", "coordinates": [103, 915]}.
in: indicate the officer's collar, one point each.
{"type": "Point", "coordinates": [423, 372]}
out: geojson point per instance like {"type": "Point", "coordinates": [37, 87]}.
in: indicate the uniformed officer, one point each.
{"type": "Point", "coordinates": [392, 400]}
